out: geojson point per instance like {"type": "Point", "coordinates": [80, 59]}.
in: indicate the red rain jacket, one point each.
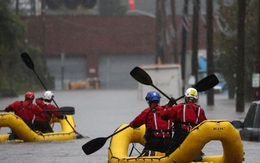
{"type": "Point", "coordinates": [186, 115]}
{"type": "Point", "coordinates": [24, 109]}
{"type": "Point", "coordinates": [46, 116]}
{"type": "Point", "coordinates": [153, 121]}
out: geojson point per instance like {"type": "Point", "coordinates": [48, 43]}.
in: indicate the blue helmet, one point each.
{"type": "Point", "coordinates": [152, 96]}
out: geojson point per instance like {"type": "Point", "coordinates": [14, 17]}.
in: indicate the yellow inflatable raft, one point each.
{"type": "Point", "coordinates": [205, 132]}
{"type": "Point", "coordinates": [27, 135]}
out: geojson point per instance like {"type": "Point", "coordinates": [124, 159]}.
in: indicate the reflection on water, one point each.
{"type": "Point", "coordinates": [98, 114]}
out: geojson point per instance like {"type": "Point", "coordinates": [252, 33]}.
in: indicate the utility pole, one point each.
{"type": "Point", "coordinates": [175, 39]}
{"type": "Point", "coordinates": [43, 21]}
{"type": "Point", "coordinates": [195, 38]}
{"type": "Point", "coordinates": [184, 39]}
{"type": "Point", "coordinates": [240, 100]}
{"type": "Point", "coordinates": [161, 47]}
{"type": "Point", "coordinates": [210, 63]}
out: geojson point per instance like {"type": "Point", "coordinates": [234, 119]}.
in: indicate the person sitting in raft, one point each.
{"type": "Point", "coordinates": [42, 122]}
{"type": "Point", "coordinates": [25, 110]}
{"type": "Point", "coordinates": [185, 117]}
{"type": "Point", "coordinates": [158, 131]}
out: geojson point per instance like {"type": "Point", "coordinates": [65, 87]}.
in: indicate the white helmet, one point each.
{"type": "Point", "coordinates": [48, 95]}
{"type": "Point", "coordinates": [191, 93]}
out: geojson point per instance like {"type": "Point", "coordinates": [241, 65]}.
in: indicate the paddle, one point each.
{"type": "Point", "coordinates": [29, 63]}
{"type": "Point", "coordinates": [66, 110]}
{"type": "Point", "coordinates": [97, 143]}
{"type": "Point", "coordinates": [143, 77]}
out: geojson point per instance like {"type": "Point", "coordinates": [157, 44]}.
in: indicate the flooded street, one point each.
{"type": "Point", "coordinates": [98, 114]}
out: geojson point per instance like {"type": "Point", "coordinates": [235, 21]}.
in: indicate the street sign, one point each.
{"type": "Point", "coordinates": [255, 80]}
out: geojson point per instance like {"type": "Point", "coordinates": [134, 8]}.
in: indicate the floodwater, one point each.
{"type": "Point", "coordinates": [98, 114]}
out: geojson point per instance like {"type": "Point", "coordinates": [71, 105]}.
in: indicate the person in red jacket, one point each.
{"type": "Point", "coordinates": [42, 122]}
{"type": "Point", "coordinates": [158, 131]}
{"type": "Point", "coordinates": [25, 110]}
{"type": "Point", "coordinates": [185, 117]}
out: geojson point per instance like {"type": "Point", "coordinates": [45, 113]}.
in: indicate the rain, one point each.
{"type": "Point", "coordinates": [84, 50]}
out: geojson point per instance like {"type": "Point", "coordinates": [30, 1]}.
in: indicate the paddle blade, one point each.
{"type": "Point", "coordinates": [27, 60]}
{"type": "Point", "coordinates": [66, 110]}
{"type": "Point", "coordinates": [207, 83]}
{"type": "Point", "coordinates": [94, 145]}
{"type": "Point", "coordinates": [141, 76]}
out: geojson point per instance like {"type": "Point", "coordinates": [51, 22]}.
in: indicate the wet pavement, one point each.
{"type": "Point", "coordinates": [98, 114]}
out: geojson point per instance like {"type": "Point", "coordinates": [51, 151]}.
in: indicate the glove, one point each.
{"type": "Point", "coordinates": [8, 109]}
{"type": "Point", "coordinates": [62, 117]}
{"type": "Point", "coordinates": [133, 125]}
{"type": "Point", "coordinates": [171, 102]}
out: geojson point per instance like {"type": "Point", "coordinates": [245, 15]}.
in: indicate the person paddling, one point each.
{"type": "Point", "coordinates": [42, 122]}
{"type": "Point", "coordinates": [158, 131]}
{"type": "Point", "coordinates": [25, 110]}
{"type": "Point", "coordinates": [185, 117]}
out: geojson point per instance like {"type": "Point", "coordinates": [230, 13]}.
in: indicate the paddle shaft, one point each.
{"type": "Point", "coordinates": [143, 77]}
{"type": "Point", "coordinates": [118, 131]}
{"type": "Point", "coordinates": [60, 111]}
{"type": "Point", "coordinates": [180, 97]}
{"type": "Point", "coordinates": [97, 143]}
{"type": "Point", "coordinates": [55, 102]}
{"type": "Point", "coordinates": [162, 92]}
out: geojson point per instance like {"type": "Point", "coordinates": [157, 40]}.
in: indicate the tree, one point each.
{"type": "Point", "coordinates": [11, 27]}
{"type": "Point", "coordinates": [240, 101]}
{"type": "Point", "coordinates": [195, 38]}
{"type": "Point", "coordinates": [11, 31]}
{"type": "Point", "coordinates": [210, 66]}
{"type": "Point", "coordinates": [257, 55]}
{"type": "Point", "coordinates": [175, 42]}
{"type": "Point", "coordinates": [14, 74]}
{"type": "Point", "coordinates": [184, 41]}
{"type": "Point", "coordinates": [161, 46]}
{"type": "Point", "coordinates": [226, 48]}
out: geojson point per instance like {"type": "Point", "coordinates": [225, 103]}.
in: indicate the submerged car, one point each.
{"type": "Point", "coordinates": [249, 128]}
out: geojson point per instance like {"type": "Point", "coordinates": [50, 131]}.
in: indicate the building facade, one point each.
{"type": "Point", "coordinates": [80, 48]}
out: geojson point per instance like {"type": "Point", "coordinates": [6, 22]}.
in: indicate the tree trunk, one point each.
{"type": "Point", "coordinates": [184, 39]}
{"type": "Point", "coordinates": [161, 47]}
{"type": "Point", "coordinates": [257, 56]}
{"type": "Point", "coordinates": [210, 66]}
{"type": "Point", "coordinates": [175, 39]}
{"type": "Point", "coordinates": [195, 38]}
{"type": "Point", "coordinates": [240, 100]}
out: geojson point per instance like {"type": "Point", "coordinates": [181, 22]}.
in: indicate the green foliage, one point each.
{"type": "Point", "coordinates": [226, 45]}
{"type": "Point", "coordinates": [111, 8]}
{"type": "Point", "coordinates": [11, 27]}
{"type": "Point", "coordinates": [14, 73]}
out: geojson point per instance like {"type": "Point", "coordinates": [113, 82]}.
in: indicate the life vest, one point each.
{"type": "Point", "coordinates": [160, 127]}
{"type": "Point", "coordinates": [25, 112]}
{"type": "Point", "coordinates": [188, 117]}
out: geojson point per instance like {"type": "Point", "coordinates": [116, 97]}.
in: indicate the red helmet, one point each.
{"type": "Point", "coordinates": [29, 95]}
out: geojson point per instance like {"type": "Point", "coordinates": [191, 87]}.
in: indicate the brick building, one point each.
{"type": "Point", "coordinates": [107, 48]}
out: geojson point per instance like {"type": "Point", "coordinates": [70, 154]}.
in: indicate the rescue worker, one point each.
{"type": "Point", "coordinates": [158, 131]}
{"type": "Point", "coordinates": [42, 122]}
{"type": "Point", "coordinates": [25, 110]}
{"type": "Point", "coordinates": [185, 117]}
